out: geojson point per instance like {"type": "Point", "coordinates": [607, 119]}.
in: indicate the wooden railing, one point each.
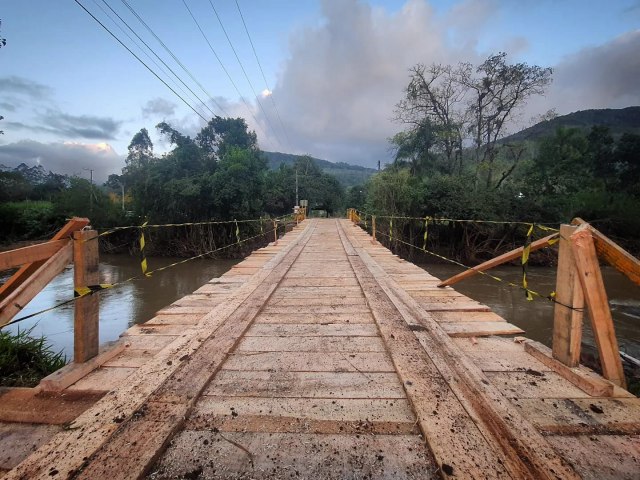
{"type": "Point", "coordinates": [39, 264]}
{"type": "Point", "coordinates": [579, 286]}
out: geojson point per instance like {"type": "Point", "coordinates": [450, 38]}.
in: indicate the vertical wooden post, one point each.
{"type": "Point", "coordinates": [373, 229]}
{"type": "Point", "coordinates": [567, 322]}
{"type": "Point", "coordinates": [86, 315]}
{"type": "Point", "coordinates": [584, 252]}
{"type": "Point", "coordinates": [275, 232]}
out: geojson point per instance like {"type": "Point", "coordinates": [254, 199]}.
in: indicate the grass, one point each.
{"type": "Point", "coordinates": [25, 360]}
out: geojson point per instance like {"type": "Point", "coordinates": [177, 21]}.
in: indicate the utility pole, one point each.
{"type": "Point", "coordinates": [297, 200]}
{"type": "Point", "coordinates": [90, 191]}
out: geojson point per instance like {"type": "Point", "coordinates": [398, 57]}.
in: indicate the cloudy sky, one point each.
{"type": "Point", "coordinates": [72, 97]}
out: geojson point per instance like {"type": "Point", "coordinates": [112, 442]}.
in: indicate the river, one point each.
{"type": "Point", "coordinates": [137, 301]}
{"type": "Point", "coordinates": [131, 303]}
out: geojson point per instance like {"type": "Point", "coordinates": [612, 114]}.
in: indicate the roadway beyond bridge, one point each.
{"type": "Point", "coordinates": [325, 357]}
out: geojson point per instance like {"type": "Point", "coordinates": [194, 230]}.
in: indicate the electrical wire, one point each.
{"type": "Point", "coordinates": [152, 51]}
{"type": "Point", "coordinates": [286, 134]}
{"type": "Point", "coordinates": [168, 50]}
{"type": "Point", "coordinates": [255, 94]}
{"type": "Point", "coordinates": [139, 59]}
{"type": "Point", "coordinates": [222, 65]}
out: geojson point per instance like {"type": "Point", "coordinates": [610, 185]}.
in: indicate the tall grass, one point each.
{"type": "Point", "coordinates": [25, 360]}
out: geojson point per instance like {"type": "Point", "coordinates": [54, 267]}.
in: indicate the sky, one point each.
{"type": "Point", "coordinates": [72, 97]}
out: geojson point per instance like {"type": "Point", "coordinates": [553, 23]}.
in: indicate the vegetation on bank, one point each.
{"type": "Point", "coordinates": [451, 162]}
{"type": "Point", "coordinates": [25, 360]}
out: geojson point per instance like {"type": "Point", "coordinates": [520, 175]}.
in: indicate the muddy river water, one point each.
{"type": "Point", "coordinates": [137, 301]}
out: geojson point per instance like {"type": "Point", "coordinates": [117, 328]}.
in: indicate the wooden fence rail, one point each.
{"type": "Point", "coordinates": [39, 264]}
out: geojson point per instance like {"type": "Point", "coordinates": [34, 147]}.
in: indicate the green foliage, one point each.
{"type": "Point", "coordinates": [27, 220]}
{"type": "Point", "coordinates": [25, 360]}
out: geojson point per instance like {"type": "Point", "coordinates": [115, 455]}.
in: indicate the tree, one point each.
{"type": "Point", "coordinates": [221, 134]}
{"type": "Point", "coordinates": [433, 106]}
{"type": "Point", "coordinates": [140, 151]}
{"type": "Point", "coordinates": [499, 90]}
{"type": "Point", "coordinates": [460, 104]}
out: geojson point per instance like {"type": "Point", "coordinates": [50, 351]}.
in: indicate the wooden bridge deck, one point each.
{"type": "Point", "coordinates": [323, 356]}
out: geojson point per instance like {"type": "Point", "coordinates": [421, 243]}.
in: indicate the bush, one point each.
{"type": "Point", "coordinates": [25, 360]}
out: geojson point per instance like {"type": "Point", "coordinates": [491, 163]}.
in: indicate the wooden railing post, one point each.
{"type": "Point", "coordinates": [567, 312]}
{"type": "Point", "coordinates": [373, 229]}
{"type": "Point", "coordinates": [86, 316]}
{"type": "Point", "coordinates": [584, 252]}
{"type": "Point", "coordinates": [275, 232]}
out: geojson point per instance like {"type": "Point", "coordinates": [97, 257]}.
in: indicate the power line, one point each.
{"type": "Point", "coordinates": [263, 75]}
{"type": "Point", "coordinates": [187, 71]}
{"type": "Point", "coordinates": [145, 52]}
{"type": "Point", "coordinates": [255, 94]}
{"type": "Point", "coordinates": [222, 65]}
{"type": "Point", "coordinates": [140, 60]}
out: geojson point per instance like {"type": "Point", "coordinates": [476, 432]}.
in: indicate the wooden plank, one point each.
{"type": "Point", "coordinates": [265, 456]}
{"type": "Point", "coordinates": [480, 329]}
{"type": "Point", "coordinates": [494, 262]}
{"type": "Point", "coordinates": [467, 317]}
{"type": "Point", "coordinates": [132, 358]}
{"type": "Point", "coordinates": [186, 382]}
{"type": "Point", "coordinates": [312, 330]}
{"type": "Point", "coordinates": [316, 291]}
{"type": "Point", "coordinates": [454, 307]}
{"type": "Point", "coordinates": [506, 438]}
{"type": "Point", "coordinates": [596, 298]}
{"type": "Point", "coordinates": [567, 322]}
{"type": "Point", "coordinates": [334, 301]}
{"type": "Point", "coordinates": [496, 354]}
{"type": "Point", "coordinates": [534, 384]}
{"type": "Point", "coordinates": [18, 298]}
{"type": "Point", "coordinates": [71, 373]}
{"type": "Point", "coordinates": [314, 309]}
{"type": "Point", "coordinates": [571, 416]}
{"type": "Point", "coordinates": [17, 441]}
{"type": "Point", "coordinates": [103, 379]}
{"type": "Point", "coordinates": [322, 318]}
{"type": "Point", "coordinates": [601, 457]}
{"type": "Point", "coordinates": [310, 362]}
{"type": "Point", "coordinates": [582, 378]}
{"type": "Point", "coordinates": [185, 319]}
{"type": "Point", "coordinates": [320, 282]}
{"type": "Point", "coordinates": [303, 415]}
{"type": "Point", "coordinates": [145, 329]}
{"type": "Point", "coordinates": [86, 321]}
{"type": "Point", "coordinates": [29, 269]}
{"type": "Point", "coordinates": [176, 310]}
{"type": "Point", "coordinates": [311, 344]}
{"type": "Point", "coordinates": [30, 254]}
{"type": "Point", "coordinates": [614, 254]}
{"type": "Point", "coordinates": [30, 405]}
{"type": "Point", "coordinates": [306, 384]}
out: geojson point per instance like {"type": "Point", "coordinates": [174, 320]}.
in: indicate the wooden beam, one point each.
{"type": "Point", "coordinates": [567, 312]}
{"type": "Point", "coordinates": [614, 254]}
{"type": "Point", "coordinates": [590, 276]}
{"type": "Point", "coordinates": [586, 381]}
{"type": "Point", "coordinates": [30, 254]}
{"type": "Point", "coordinates": [86, 323]}
{"type": "Point", "coordinates": [18, 298]}
{"type": "Point", "coordinates": [494, 262]}
{"type": "Point", "coordinates": [27, 270]}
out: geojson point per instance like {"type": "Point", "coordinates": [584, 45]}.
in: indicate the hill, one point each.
{"type": "Point", "coordinates": [618, 120]}
{"type": "Point", "coordinates": [348, 175]}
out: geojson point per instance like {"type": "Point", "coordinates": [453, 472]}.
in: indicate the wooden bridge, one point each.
{"type": "Point", "coordinates": [322, 356]}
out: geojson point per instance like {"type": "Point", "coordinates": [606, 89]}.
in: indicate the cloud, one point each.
{"type": "Point", "coordinates": [158, 107]}
{"type": "Point", "coordinates": [71, 158]}
{"type": "Point", "coordinates": [80, 126]}
{"type": "Point", "coordinates": [22, 86]}
{"type": "Point", "coordinates": [337, 91]}
{"type": "Point", "coordinates": [605, 76]}
{"type": "Point", "coordinates": [8, 106]}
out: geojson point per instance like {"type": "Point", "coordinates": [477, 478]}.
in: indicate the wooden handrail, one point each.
{"type": "Point", "coordinates": [494, 262]}
{"type": "Point", "coordinates": [29, 269]}
{"type": "Point", "coordinates": [30, 254]}
{"type": "Point", "coordinates": [613, 254]}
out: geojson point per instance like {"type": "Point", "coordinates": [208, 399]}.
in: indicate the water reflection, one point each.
{"type": "Point", "coordinates": [131, 303]}
{"type": "Point", "coordinates": [536, 317]}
